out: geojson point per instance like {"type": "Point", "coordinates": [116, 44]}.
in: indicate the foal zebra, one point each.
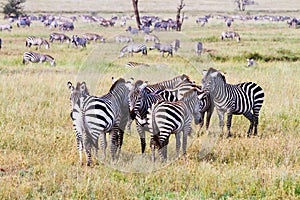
{"type": "Point", "coordinates": [100, 115]}
{"type": "Point", "coordinates": [133, 48]}
{"type": "Point", "coordinates": [37, 41]}
{"type": "Point", "coordinates": [230, 34]}
{"type": "Point", "coordinates": [37, 57]}
{"type": "Point", "coordinates": [166, 118]}
{"type": "Point", "coordinates": [60, 37]}
{"type": "Point", "coordinates": [234, 99]}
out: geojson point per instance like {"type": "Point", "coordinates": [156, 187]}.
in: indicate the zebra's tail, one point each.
{"type": "Point", "coordinates": [153, 128]}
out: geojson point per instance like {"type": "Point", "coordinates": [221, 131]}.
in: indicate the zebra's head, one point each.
{"type": "Point", "coordinates": [77, 92]}
{"type": "Point", "coordinates": [211, 78]}
{"type": "Point", "coordinates": [135, 96]}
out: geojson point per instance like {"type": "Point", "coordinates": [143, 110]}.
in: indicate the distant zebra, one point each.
{"type": "Point", "coordinates": [76, 40]}
{"type": "Point", "coordinates": [24, 22]}
{"type": "Point", "coordinates": [37, 57]}
{"type": "Point", "coordinates": [133, 31]}
{"type": "Point", "coordinates": [228, 22]}
{"type": "Point", "coordinates": [0, 43]}
{"type": "Point", "coordinates": [163, 48]}
{"type": "Point", "coordinates": [101, 115]}
{"type": "Point", "coordinates": [198, 48]}
{"type": "Point", "coordinates": [133, 48]}
{"type": "Point", "coordinates": [234, 99]}
{"type": "Point", "coordinates": [136, 64]}
{"type": "Point", "coordinates": [151, 38]}
{"type": "Point", "coordinates": [66, 26]}
{"type": "Point", "coordinates": [60, 37]}
{"type": "Point", "coordinates": [230, 34]}
{"type": "Point", "coordinates": [250, 62]}
{"type": "Point", "coordinates": [166, 118]}
{"type": "Point", "coordinates": [176, 45]}
{"type": "Point", "coordinates": [93, 36]}
{"type": "Point", "coordinates": [123, 39]}
{"type": "Point", "coordinates": [37, 41]}
{"type": "Point", "coordinates": [7, 27]}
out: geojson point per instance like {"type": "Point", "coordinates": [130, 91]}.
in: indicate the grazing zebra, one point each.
{"type": "Point", "coordinates": [76, 40]}
{"type": "Point", "coordinates": [6, 27]}
{"type": "Point", "coordinates": [163, 48]}
{"type": "Point", "coordinates": [234, 99]}
{"type": "Point", "coordinates": [136, 64]}
{"type": "Point", "coordinates": [198, 48]}
{"type": "Point", "coordinates": [133, 31]}
{"type": "Point", "coordinates": [66, 26]}
{"type": "Point", "coordinates": [37, 57]}
{"type": "Point", "coordinates": [123, 39]}
{"type": "Point", "coordinates": [166, 118]}
{"type": "Point", "coordinates": [151, 38]}
{"type": "Point", "coordinates": [60, 37]}
{"type": "Point", "coordinates": [24, 22]}
{"type": "Point", "coordinates": [133, 48]}
{"type": "Point", "coordinates": [100, 115]}
{"type": "Point", "coordinates": [93, 36]}
{"type": "Point", "coordinates": [250, 62]}
{"type": "Point", "coordinates": [230, 34]}
{"type": "Point", "coordinates": [176, 45]}
{"type": "Point", "coordinates": [37, 41]}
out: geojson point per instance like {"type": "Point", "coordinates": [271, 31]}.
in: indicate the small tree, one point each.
{"type": "Point", "coordinates": [178, 21]}
{"type": "Point", "coordinates": [13, 8]}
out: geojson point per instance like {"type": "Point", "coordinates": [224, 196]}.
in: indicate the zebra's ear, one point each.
{"type": "Point", "coordinates": [70, 86]}
{"type": "Point", "coordinates": [113, 80]}
{"type": "Point", "coordinates": [204, 72]}
{"type": "Point", "coordinates": [202, 95]}
{"type": "Point", "coordinates": [129, 84]}
{"type": "Point", "coordinates": [83, 86]}
{"type": "Point", "coordinates": [141, 87]}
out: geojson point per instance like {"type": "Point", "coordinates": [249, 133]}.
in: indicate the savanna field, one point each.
{"type": "Point", "coordinates": [38, 152]}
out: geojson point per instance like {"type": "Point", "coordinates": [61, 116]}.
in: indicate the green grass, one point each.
{"type": "Point", "coordinates": [38, 155]}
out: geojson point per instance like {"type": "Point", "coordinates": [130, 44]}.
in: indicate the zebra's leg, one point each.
{"type": "Point", "coordinates": [209, 113]}
{"type": "Point", "coordinates": [128, 126]}
{"type": "Point", "coordinates": [249, 116]}
{"type": "Point", "coordinates": [103, 145]}
{"type": "Point", "coordinates": [114, 142]}
{"type": "Point", "coordinates": [120, 142]}
{"type": "Point", "coordinates": [88, 149]}
{"type": "Point", "coordinates": [152, 145]}
{"type": "Point", "coordinates": [186, 131]}
{"type": "Point", "coordinates": [221, 119]}
{"type": "Point", "coordinates": [177, 135]}
{"type": "Point", "coordinates": [141, 132]}
{"type": "Point", "coordinates": [255, 122]}
{"type": "Point", "coordinates": [229, 119]}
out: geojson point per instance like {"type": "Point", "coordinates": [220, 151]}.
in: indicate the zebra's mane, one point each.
{"type": "Point", "coordinates": [49, 56]}
{"type": "Point", "coordinates": [212, 70]}
{"type": "Point", "coordinates": [119, 81]}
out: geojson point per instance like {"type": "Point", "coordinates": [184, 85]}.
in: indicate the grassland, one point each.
{"type": "Point", "coordinates": [38, 155]}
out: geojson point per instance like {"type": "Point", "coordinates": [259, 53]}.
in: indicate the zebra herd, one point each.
{"type": "Point", "coordinates": [163, 108]}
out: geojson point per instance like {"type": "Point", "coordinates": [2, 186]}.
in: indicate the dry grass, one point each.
{"type": "Point", "coordinates": [38, 155]}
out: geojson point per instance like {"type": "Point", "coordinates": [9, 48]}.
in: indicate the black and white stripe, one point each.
{"type": "Point", "coordinates": [60, 37]}
{"type": "Point", "coordinates": [134, 48]}
{"type": "Point", "coordinates": [230, 34]}
{"type": "Point", "coordinates": [234, 99]}
{"type": "Point", "coordinates": [136, 64]}
{"type": "Point", "coordinates": [166, 118]}
{"type": "Point", "coordinates": [100, 115]}
{"type": "Point", "coordinates": [38, 57]}
{"type": "Point", "coordinates": [36, 41]}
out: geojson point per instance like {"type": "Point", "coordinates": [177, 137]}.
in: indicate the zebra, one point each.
{"type": "Point", "coordinates": [198, 48]}
{"type": "Point", "coordinates": [152, 38]}
{"type": "Point", "coordinates": [133, 31]}
{"type": "Point", "coordinates": [133, 48]}
{"type": "Point", "coordinates": [176, 45]}
{"type": "Point", "coordinates": [24, 22]}
{"type": "Point", "coordinates": [66, 26]}
{"type": "Point", "coordinates": [163, 48]}
{"type": "Point", "coordinates": [144, 95]}
{"type": "Point", "coordinates": [37, 57]}
{"type": "Point", "coordinates": [166, 118]}
{"type": "Point", "coordinates": [123, 39]}
{"type": "Point", "coordinates": [136, 64]}
{"type": "Point", "coordinates": [59, 36]}
{"type": "Point", "coordinates": [7, 27]}
{"type": "Point", "coordinates": [93, 36]}
{"type": "Point", "coordinates": [100, 115]}
{"type": "Point", "coordinates": [230, 34]}
{"type": "Point", "coordinates": [228, 22]}
{"type": "Point", "coordinates": [250, 62]}
{"type": "Point", "coordinates": [76, 40]}
{"type": "Point", "coordinates": [37, 41]}
{"type": "Point", "coordinates": [234, 99]}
